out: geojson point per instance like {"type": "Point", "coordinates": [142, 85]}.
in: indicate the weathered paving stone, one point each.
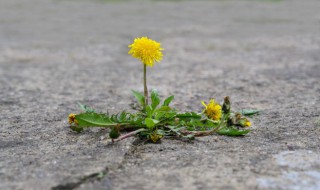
{"type": "Point", "coordinates": [299, 170]}
{"type": "Point", "coordinates": [264, 54]}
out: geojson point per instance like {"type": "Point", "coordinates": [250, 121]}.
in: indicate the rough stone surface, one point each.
{"type": "Point", "coordinates": [263, 54]}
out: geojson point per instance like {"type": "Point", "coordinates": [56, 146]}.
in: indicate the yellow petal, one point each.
{"type": "Point", "coordinates": [204, 104]}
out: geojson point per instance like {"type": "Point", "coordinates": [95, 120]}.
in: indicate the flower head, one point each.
{"type": "Point", "coordinates": [244, 122]}
{"type": "Point", "coordinates": [72, 119]}
{"type": "Point", "coordinates": [212, 110]}
{"type": "Point", "coordinates": [146, 50]}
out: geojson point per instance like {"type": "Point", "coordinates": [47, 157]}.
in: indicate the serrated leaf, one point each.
{"type": "Point", "coordinates": [155, 99]}
{"type": "Point", "coordinates": [230, 131]}
{"type": "Point", "coordinates": [139, 97]}
{"type": "Point", "coordinates": [86, 108]}
{"type": "Point", "coordinates": [249, 112]}
{"type": "Point", "coordinates": [150, 123]}
{"type": "Point", "coordinates": [122, 116]}
{"type": "Point", "coordinates": [175, 128]}
{"type": "Point", "coordinates": [199, 124]}
{"type": "Point", "coordinates": [94, 120]}
{"type": "Point", "coordinates": [168, 100]}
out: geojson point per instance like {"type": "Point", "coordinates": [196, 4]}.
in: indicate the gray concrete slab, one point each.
{"type": "Point", "coordinates": [263, 54]}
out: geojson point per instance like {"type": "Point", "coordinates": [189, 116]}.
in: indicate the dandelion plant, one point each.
{"type": "Point", "coordinates": [157, 119]}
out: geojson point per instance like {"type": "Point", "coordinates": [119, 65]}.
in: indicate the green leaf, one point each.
{"type": "Point", "coordinates": [86, 109]}
{"type": "Point", "coordinates": [230, 131]}
{"type": "Point", "coordinates": [199, 124]}
{"type": "Point", "coordinates": [94, 120]}
{"type": "Point", "coordinates": [139, 97]}
{"type": "Point", "coordinates": [188, 115]}
{"type": "Point", "coordinates": [175, 129]}
{"type": "Point", "coordinates": [122, 116]}
{"type": "Point", "coordinates": [150, 123]}
{"type": "Point", "coordinates": [149, 111]}
{"type": "Point", "coordinates": [155, 99]}
{"type": "Point", "coordinates": [249, 112]}
{"type": "Point", "coordinates": [163, 109]}
{"type": "Point", "coordinates": [161, 132]}
{"type": "Point", "coordinates": [168, 100]}
{"type": "Point", "coordinates": [159, 115]}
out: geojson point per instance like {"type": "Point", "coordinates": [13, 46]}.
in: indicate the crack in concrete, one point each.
{"type": "Point", "coordinates": [98, 175]}
{"type": "Point", "coordinates": [89, 178]}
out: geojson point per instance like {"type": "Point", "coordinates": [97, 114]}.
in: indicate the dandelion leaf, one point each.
{"type": "Point", "coordinates": [94, 120]}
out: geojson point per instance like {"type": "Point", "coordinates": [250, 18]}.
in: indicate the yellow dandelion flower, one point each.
{"type": "Point", "coordinates": [146, 50]}
{"type": "Point", "coordinates": [212, 110]}
{"type": "Point", "coordinates": [247, 124]}
{"type": "Point", "coordinates": [72, 119]}
{"type": "Point", "coordinates": [244, 122]}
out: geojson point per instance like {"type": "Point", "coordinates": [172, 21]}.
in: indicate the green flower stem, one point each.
{"type": "Point", "coordinates": [129, 135]}
{"type": "Point", "coordinates": [145, 84]}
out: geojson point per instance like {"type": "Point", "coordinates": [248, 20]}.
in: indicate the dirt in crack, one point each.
{"type": "Point", "coordinates": [89, 178]}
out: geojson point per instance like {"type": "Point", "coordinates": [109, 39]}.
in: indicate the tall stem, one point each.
{"type": "Point", "coordinates": [145, 84]}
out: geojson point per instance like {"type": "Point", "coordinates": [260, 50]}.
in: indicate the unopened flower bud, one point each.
{"type": "Point", "coordinates": [155, 137]}
{"type": "Point", "coordinates": [226, 105]}
{"type": "Point", "coordinates": [115, 132]}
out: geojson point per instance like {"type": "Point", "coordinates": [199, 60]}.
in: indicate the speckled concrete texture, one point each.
{"type": "Point", "coordinates": [264, 54]}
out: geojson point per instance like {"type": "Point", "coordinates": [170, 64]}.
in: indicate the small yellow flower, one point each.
{"type": "Point", "coordinates": [72, 119]}
{"type": "Point", "coordinates": [248, 123]}
{"type": "Point", "coordinates": [146, 50]}
{"type": "Point", "coordinates": [212, 110]}
{"type": "Point", "coordinates": [244, 122]}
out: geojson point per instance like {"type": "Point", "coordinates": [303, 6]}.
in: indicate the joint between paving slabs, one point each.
{"type": "Point", "coordinates": [98, 175]}
{"type": "Point", "coordinates": [89, 178]}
